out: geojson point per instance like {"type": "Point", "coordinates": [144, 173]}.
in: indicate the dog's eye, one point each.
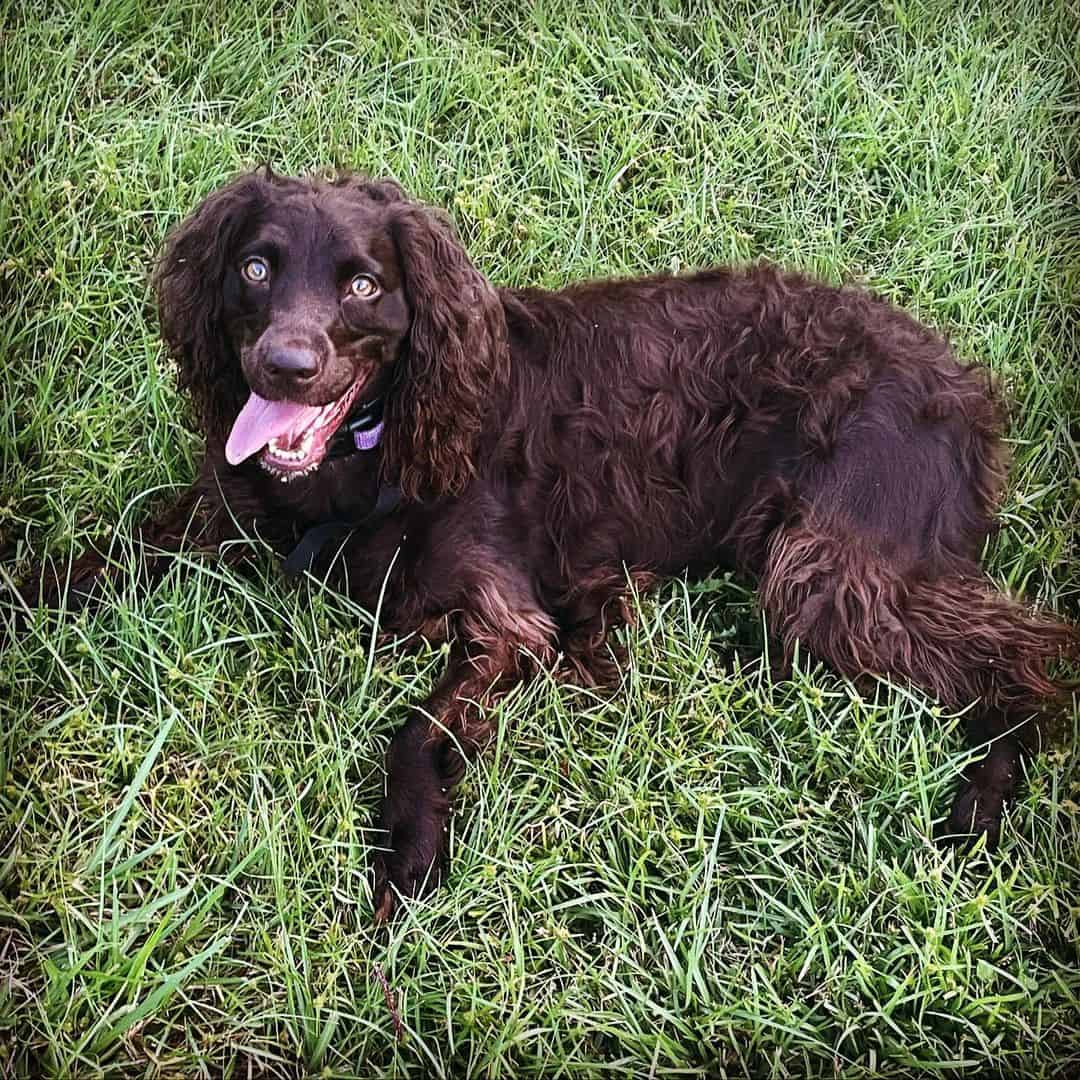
{"type": "Point", "coordinates": [256, 270]}
{"type": "Point", "coordinates": [363, 286]}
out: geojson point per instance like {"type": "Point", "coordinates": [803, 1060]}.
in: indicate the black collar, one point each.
{"type": "Point", "coordinates": [361, 434]}
{"type": "Point", "coordinates": [318, 536]}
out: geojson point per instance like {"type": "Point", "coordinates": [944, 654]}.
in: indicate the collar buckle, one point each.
{"type": "Point", "coordinates": [363, 432]}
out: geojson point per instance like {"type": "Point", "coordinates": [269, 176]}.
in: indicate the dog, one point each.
{"type": "Point", "coordinates": [495, 468]}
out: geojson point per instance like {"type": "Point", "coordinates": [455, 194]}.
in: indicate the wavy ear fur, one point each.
{"type": "Point", "coordinates": [188, 283]}
{"type": "Point", "coordinates": [456, 359]}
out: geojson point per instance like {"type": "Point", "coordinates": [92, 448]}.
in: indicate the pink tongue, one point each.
{"type": "Point", "coordinates": [260, 421]}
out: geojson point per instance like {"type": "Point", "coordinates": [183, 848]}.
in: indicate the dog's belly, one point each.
{"type": "Point", "coordinates": [919, 488]}
{"type": "Point", "coordinates": [616, 510]}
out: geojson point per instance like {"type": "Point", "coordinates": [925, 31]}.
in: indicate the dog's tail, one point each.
{"type": "Point", "coordinates": [977, 641]}
{"type": "Point", "coordinates": [955, 635]}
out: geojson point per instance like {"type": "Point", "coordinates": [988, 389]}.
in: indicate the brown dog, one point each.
{"type": "Point", "coordinates": [495, 461]}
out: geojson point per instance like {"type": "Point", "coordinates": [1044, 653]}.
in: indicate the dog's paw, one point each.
{"type": "Point", "coordinates": [54, 589]}
{"type": "Point", "coordinates": [413, 840]}
{"type": "Point", "coordinates": [976, 812]}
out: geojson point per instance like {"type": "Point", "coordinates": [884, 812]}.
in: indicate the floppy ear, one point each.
{"type": "Point", "coordinates": [188, 283]}
{"type": "Point", "coordinates": [456, 358]}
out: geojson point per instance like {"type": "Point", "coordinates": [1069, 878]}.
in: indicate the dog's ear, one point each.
{"type": "Point", "coordinates": [455, 359]}
{"type": "Point", "coordinates": [188, 282]}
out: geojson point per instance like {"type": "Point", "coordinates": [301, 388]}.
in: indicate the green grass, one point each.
{"type": "Point", "coordinates": [702, 873]}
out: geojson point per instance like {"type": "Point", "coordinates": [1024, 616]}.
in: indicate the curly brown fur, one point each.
{"type": "Point", "coordinates": [549, 444]}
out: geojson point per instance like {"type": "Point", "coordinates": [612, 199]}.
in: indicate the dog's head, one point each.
{"type": "Point", "coordinates": [289, 304]}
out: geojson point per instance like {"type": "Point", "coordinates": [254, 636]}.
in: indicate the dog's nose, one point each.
{"type": "Point", "coordinates": [293, 362]}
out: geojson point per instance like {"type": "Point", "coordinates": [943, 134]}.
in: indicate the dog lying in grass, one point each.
{"type": "Point", "coordinates": [498, 464]}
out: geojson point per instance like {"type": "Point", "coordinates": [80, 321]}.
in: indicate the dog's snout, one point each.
{"type": "Point", "coordinates": [292, 362]}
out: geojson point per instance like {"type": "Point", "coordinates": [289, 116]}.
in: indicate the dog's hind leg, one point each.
{"type": "Point", "coordinates": [991, 780]}
{"type": "Point", "coordinates": [953, 635]}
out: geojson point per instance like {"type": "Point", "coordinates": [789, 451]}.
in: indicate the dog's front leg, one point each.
{"type": "Point", "coordinates": [196, 521]}
{"type": "Point", "coordinates": [414, 815]}
{"type": "Point", "coordinates": [427, 757]}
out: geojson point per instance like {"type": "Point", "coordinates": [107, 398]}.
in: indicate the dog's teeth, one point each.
{"type": "Point", "coordinates": [282, 454]}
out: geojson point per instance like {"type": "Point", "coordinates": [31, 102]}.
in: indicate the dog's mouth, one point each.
{"type": "Point", "coordinates": [292, 437]}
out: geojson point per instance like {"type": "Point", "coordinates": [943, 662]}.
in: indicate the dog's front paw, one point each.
{"type": "Point", "coordinates": [73, 587]}
{"type": "Point", "coordinates": [413, 839]}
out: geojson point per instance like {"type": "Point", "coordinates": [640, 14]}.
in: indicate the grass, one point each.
{"type": "Point", "coordinates": [702, 874]}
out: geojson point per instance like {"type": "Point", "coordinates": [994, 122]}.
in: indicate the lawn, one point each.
{"type": "Point", "coordinates": [702, 873]}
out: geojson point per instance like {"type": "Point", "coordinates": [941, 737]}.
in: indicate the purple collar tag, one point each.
{"type": "Point", "coordinates": [369, 439]}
